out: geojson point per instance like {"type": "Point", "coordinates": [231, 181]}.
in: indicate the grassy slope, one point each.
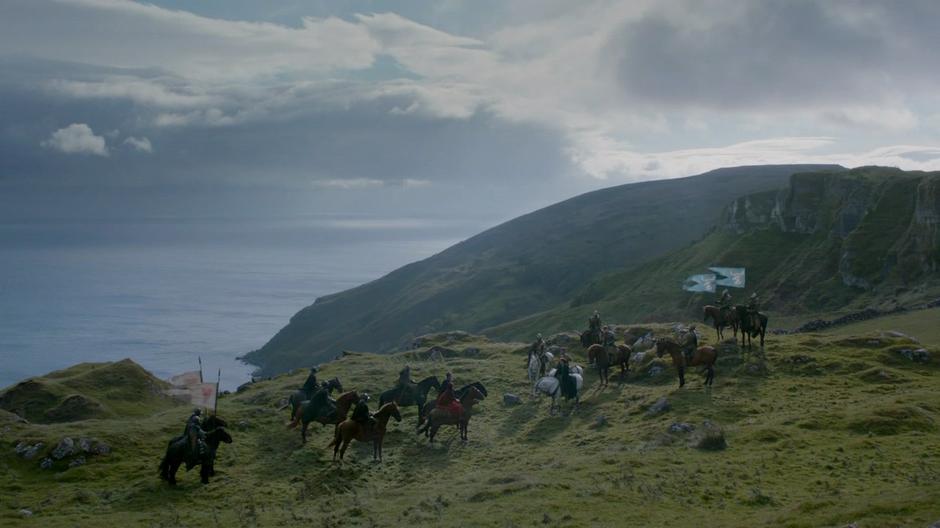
{"type": "Point", "coordinates": [827, 430]}
{"type": "Point", "coordinates": [923, 325]}
{"type": "Point", "coordinates": [516, 269]}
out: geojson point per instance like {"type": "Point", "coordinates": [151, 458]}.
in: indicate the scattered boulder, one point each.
{"type": "Point", "coordinates": [662, 405]}
{"type": "Point", "coordinates": [511, 399]}
{"type": "Point", "coordinates": [84, 445]}
{"type": "Point", "coordinates": [46, 463]}
{"type": "Point", "coordinates": [26, 513]}
{"type": "Point", "coordinates": [243, 425]}
{"type": "Point", "coordinates": [75, 407]}
{"type": "Point", "coordinates": [435, 355]}
{"type": "Point", "coordinates": [654, 371]}
{"type": "Point", "coordinates": [644, 343]}
{"type": "Point", "coordinates": [920, 355]}
{"type": "Point", "coordinates": [556, 350]}
{"type": "Point", "coordinates": [681, 427]}
{"type": "Point", "coordinates": [638, 358]}
{"type": "Point", "coordinates": [65, 448]}
{"type": "Point", "coordinates": [28, 452]}
{"type": "Point", "coordinates": [440, 351]}
{"type": "Point", "coordinates": [102, 448]}
{"type": "Point", "coordinates": [900, 335]}
{"type": "Point", "coordinates": [77, 461]}
{"type": "Point", "coordinates": [600, 421]}
{"type": "Point", "coordinates": [935, 525]}
{"type": "Point", "coordinates": [563, 339]}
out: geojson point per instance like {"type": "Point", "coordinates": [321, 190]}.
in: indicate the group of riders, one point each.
{"type": "Point", "coordinates": [447, 400]}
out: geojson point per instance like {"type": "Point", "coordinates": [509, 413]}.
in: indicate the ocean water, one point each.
{"type": "Point", "coordinates": [165, 292]}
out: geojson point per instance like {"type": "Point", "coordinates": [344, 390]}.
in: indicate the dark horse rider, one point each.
{"type": "Point", "coordinates": [724, 302]}
{"type": "Point", "coordinates": [311, 385]}
{"type": "Point", "coordinates": [569, 388]}
{"type": "Point", "coordinates": [404, 384]}
{"type": "Point", "coordinates": [361, 414]}
{"type": "Point", "coordinates": [447, 399]}
{"type": "Point", "coordinates": [691, 344]}
{"type": "Point", "coordinates": [194, 435]}
{"type": "Point", "coordinates": [753, 305]}
{"type": "Point", "coordinates": [594, 325]}
{"type": "Point", "coordinates": [537, 348]}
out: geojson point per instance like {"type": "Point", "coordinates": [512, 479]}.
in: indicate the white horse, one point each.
{"type": "Point", "coordinates": [551, 386]}
{"type": "Point", "coordinates": [535, 365]}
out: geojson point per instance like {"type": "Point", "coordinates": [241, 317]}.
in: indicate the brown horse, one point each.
{"type": "Point", "coordinates": [437, 417]}
{"type": "Point", "coordinates": [349, 429]}
{"type": "Point", "coordinates": [329, 416]}
{"type": "Point", "coordinates": [721, 319]}
{"type": "Point", "coordinates": [704, 356]}
{"type": "Point", "coordinates": [603, 357]}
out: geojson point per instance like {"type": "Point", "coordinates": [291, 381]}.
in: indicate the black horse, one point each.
{"type": "Point", "coordinates": [746, 323]}
{"type": "Point", "coordinates": [462, 391]}
{"type": "Point", "coordinates": [417, 394]}
{"type": "Point", "coordinates": [178, 452]}
{"type": "Point", "coordinates": [297, 399]}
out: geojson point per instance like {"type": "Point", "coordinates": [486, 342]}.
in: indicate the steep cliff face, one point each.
{"type": "Point", "coordinates": [881, 223]}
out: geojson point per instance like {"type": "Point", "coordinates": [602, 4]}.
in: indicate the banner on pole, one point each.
{"type": "Point", "coordinates": [729, 277]}
{"type": "Point", "coordinates": [700, 283]}
{"type": "Point", "coordinates": [185, 379]}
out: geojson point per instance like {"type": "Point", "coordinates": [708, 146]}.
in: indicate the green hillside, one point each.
{"type": "Point", "coordinates": [819, 431]}
{"type": "Point", "coordinates": [86, 391]}
{"type": "Point", "coordinates": [519, 268]}
{"type": "Point", "coordinates": [828, 243]}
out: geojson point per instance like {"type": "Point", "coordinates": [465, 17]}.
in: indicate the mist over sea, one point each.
{"type": "Point", "coordinates": [164, 292]}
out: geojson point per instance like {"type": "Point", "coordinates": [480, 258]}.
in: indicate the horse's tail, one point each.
{"type": "Point", "coordinates": [336, 436]}
{"type": "Point", "coordinates": [705, 314]}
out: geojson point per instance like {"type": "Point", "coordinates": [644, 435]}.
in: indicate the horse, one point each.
{"type": "Point", "coordinates": [348, 429]}
{"type": "Point", "coordinates": [332, 413]}
{"type": "Point", "coordinates": [703, 356]}
{"type": "Point", "coordinates": [177, 452]}
{"type": "Point", "coordinates": [721, 319]}
{"type": "Point", "coordinates": [459, 394]}
{"type": "Point", "coordinates": [603, 357]}
{"type": "Point", "coordinates": [436, 417]}
{"type": "Point", "coordinates": [297, 399]}
{"type": "Point", "coordinates": [551, 386]}
{"type": "Point", "coordinates": [748, 330]}
{"type": "Point", "coordinates": [417, 395]}
{"type": "Point", "coordinates": [537, 364]}
{"type": "Point", "coordinates": [590, 337]}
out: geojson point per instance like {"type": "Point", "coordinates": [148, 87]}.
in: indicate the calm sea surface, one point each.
{"type": "Point", "coordinates": [166, 292]}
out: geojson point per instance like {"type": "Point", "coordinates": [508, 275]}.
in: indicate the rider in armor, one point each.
{"type": "Point", "coordinates": [404, 377]}
{"type": "Point", "coordinates": [569, 388]}
{"type": "Point", "coordinates": [194, 435]}
{"type": "Point", "coordinates": [361, 414]}
{"type": "Point", "coordinates": [594, 325]}
{"type": "Point", "coordinates": [753, 305]}
{"type": "Point", "coordinates": [311, 385]}
{"type": "Point", "coordinates": [537, 348]}
{"type": "Point", "coordinates": [691, 344]}
{"type": "Point", "coordinates": [724, 302]}
{"type": "Point", "coordinates": [610, 339]}
{"type": "Point", "coordinates": [448, 399]}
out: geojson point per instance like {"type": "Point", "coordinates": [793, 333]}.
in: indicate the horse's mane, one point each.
{"type": "Point", "coordinates": [387, 408]}
{"type": "Point", "coordinates": [347, 395]}
{"type": "Point", "coordinates": [477, 385]}
{"type": "Point", "coordinates": [429, 382]}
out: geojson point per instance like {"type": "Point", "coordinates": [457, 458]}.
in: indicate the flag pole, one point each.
{"type": "Point", "coordinates": [200, 369]}
{"type": "Point", "coordinates": [217, 383]}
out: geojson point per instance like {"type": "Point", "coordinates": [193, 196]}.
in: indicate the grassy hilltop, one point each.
{"type": "Point", "coordinates": [822, 430]}
{"type": "Point", "coordinates": [527, 265]}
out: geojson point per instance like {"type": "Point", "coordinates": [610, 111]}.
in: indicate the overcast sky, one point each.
{"type": "Point", "coordinates": [451, 107]}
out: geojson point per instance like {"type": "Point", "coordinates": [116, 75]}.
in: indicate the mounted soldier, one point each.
{"type": "Point", "coordinates": [594, 325]}
{"type": "Point", "coordinates": [724, 303]}
{"type": "Point", "coordinates": [447, 400]}
{"type": "Point", "coordinates": [753, 307]}
{"type": "Point", "coordinates": [691, 344]}
{"type": "Point", "coordinates": [194, 435]}
{"type": "Point", "coordinates": [568, 387]}
{"type": "Point", "coordinates": [538, 349]}
{"type": "Point", "coordinates": [361, 414]}
{"type": "Point", "coordinates": [609, 339]}
{"type": "Point", "coordinates": [311, 385]}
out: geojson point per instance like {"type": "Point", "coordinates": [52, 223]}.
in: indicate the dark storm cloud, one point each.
{"type": "Point", "coordinates": [767, 54]}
